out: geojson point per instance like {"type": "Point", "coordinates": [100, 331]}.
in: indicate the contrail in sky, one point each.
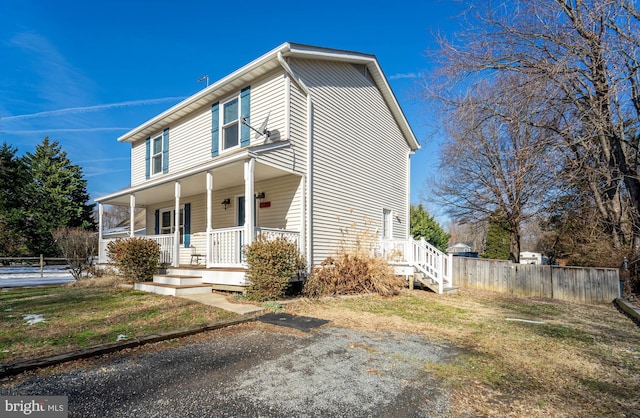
{"type": "Point", "coordinates": [37, 131]}
{"type": "Point", "coordinates": [85, 109]}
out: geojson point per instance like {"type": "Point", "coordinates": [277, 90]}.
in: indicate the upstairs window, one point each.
{"type": "Point", "coordinates": [156, 158]}
{"type": "Point", "coordinates": [230, 124]}
{"type": "Point", "coordinates": [227, 128]}
{"type": "Point", "coordinates": [157, 154]}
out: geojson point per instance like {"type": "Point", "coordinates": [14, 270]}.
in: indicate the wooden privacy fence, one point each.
{"type": "Point", "coordinates": [574, 284]}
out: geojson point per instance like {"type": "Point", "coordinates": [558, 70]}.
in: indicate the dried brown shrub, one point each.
{"type": "Point", "coordinates": [354, 269]}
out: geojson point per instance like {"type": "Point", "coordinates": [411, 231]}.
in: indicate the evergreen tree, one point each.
{"type": "Point", "coordinates": [423, 225]}
{"type": "Point", "coordinates": [56, 197]}
{"type": "Point", "coordinates": [497, 242]}
{"type": "Point", "coordinates": [12, 182]}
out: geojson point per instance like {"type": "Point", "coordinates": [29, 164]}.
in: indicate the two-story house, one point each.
{"type": "Point", "coordinates": [301, 142]}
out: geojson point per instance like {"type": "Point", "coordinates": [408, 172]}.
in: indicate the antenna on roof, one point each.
{"type": "Point", "coordinates": [203, 78]}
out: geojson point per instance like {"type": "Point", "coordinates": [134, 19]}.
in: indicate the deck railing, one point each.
{"type": "Point", "coordinates": [435, 264]}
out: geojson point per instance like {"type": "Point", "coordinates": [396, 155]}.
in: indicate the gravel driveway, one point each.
{"type": "Point", "coordinates": [256, 370]}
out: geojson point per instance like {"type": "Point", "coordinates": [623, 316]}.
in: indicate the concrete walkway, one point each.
{"type": "Point", "coordinates": [221, 301]}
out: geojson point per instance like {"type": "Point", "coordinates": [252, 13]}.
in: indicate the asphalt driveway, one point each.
{"type": "Point", "coordinates": [255, 370]}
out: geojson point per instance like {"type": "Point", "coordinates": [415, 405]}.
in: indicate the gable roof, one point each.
{"type": "Point", "coordinates": [264, 65]}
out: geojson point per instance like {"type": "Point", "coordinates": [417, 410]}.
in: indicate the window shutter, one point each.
{"type": "Point", "coordinates": [187, 225]}
{"type": "Point", "coordinates": [215, 122]}
{"type": "Point", "coordinates": [147, 158]}
{"type": "Point", "coordinates": [157, 225]}
{"type": "Point", "coordinates": [245, 108]}
{"type": "Point", "coordinates": [165, 151]}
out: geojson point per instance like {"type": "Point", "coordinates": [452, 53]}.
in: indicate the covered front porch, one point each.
{"type": "Point", "coordinates": [201, 218]}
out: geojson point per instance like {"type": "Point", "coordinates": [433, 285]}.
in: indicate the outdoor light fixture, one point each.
{"type": "Point", "coordinates": [226, 202]}
{"type": "Point", "coordinates": [260, 195]}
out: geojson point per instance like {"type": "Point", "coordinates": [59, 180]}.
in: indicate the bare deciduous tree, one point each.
{"type": "Point", "coordinates": [587, 55]}
{"type": "Point", "coordinates": [495, 162]}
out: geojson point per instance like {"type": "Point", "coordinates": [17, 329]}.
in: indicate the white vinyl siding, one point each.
{"type": "Point", "coordinates": [360, 155]}
{"type": "Point", "coordinates": [191, 135]}
{"type": "Point", "coordinates": [138, 163]}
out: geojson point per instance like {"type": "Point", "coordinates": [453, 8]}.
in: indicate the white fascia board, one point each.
{"type": "Point", "coordinates": [207, 94]}
{"type": "Point", "coordinates": [179, 175]}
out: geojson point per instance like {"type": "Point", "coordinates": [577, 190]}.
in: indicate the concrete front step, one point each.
{"type": "Point", "coordinates": [177, 279]}
{"type": "Point", "coordinates": [172, 289]}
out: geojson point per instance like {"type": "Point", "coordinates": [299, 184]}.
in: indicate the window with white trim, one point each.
{"type": "Point", "coordinates": [168, 222]}
{"type": "Point", "coordinates": [230, 123]}
{"type": "Point", "coordinates": [387, 224]}
{"type": "Point", "coordinates": [156, 154]}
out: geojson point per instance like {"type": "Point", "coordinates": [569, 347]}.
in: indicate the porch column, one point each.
{"type": "Point", "coordinates": [132, 215]}
{"type": "Point", "coordinates": [100, 215]}
{"type": "Point", "coordinates": [249, 201]}
{"type": "Point", "coordinates": [208, 259]}
{"type": "Point", "coordinates": [176, 226]}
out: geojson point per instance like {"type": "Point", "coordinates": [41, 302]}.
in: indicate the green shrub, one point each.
{"type": "Point", "coordinates": [272, 263]}
{"type": "Point", "coordinates": [136, 258]}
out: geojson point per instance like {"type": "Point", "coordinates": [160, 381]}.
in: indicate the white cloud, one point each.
{"type": "Point", "coordinates": [405, 75]}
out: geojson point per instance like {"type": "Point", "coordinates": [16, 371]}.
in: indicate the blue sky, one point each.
{"type": "Point", "coordinates": [85, 73]}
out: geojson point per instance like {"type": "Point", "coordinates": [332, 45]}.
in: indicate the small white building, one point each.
{"type": "Point", "coordinates": [528, 257]}
{"type": "Point", "coordinates": [459, 247]}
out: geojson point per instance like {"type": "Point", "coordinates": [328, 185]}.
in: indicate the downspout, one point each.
{"type": "Point", "coordinates": [309, 176]}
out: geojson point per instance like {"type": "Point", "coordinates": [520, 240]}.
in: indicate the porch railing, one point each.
{"type": "Point", "coordinates": [435, 264]}
{"type": "Point", "coordinates": [165, 242]}
{"type": "Point", "coordinates": [225, 245]}
{"type": "Point", "coordinates": [273, 233]}
{"type": "Point", "coordinates": [166, 247]}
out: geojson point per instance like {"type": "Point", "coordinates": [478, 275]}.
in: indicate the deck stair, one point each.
{"type": "Point", "coordinates": [174, 285]}
{"type": "Point", "coordinates": [421, 262]}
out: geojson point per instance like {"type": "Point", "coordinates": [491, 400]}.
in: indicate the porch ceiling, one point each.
{"type": "Point", "coordinates": [224, 177]}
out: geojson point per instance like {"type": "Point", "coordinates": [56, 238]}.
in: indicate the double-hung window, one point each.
{"type": "Point", "coordinates": [230, 119]}
{"type": "Point", "coordinates": [230, 123]}
{"type": "Point", "coordinates": [157, 154]}
{"type": "Point", "coordinates": [156, 157]}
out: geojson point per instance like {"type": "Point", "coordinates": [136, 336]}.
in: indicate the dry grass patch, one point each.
{"type": "Point", "coordinates": [584, 361]}
{"type": "Point", "coordinates": [79, 317]}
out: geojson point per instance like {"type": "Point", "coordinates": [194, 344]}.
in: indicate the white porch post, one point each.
{"type": "Point", "coordinates": [209, 217]}
{"type": "Point", "coordinates": [249, 200]}
{"type": "Point", "coordinates": [100, 215]}
{"type": "Point", "coordinates": [132, 215]}
{"type": "Point", "coordinates": [176, 225]}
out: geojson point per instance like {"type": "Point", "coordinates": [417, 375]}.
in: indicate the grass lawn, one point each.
{"type": "Point", "coordinates": [584, 361]}
{"type": "Point", "coordinates": [79, 317]}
